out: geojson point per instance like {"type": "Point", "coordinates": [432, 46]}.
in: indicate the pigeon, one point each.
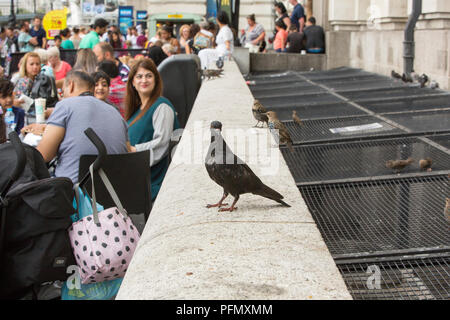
{"type": "Point", "coordinates": [219, 63]}
{"type": "Point", "coordinates": [425, 163]}
{"type": "Point", "coordinates": [275, 124]}
{"type": "Point", "coordinates": [406, 78]}
{"type": "Point", "coordinates": [395, 75]}
{"type": "Point", "coordinates": [296, 118]}
{"type": "Point", "coordinates": [232, 174]}
{"type": "Point", "coordinates": [399, 164]}
{"type": "Point", "coordinates": [423, 79]}
{"type": "Point", "coordinates": [434, 85]}
{"type": "Point", "coordinates": [259, 111]}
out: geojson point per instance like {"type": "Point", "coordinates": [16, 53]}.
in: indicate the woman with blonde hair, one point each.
{"type": "Point", "coordinates": [29, 70]}
{"type": "Point", "coordinates": [185, 32]}
{"type": "Point", "coordinates": [151, 118]}
{"type": "Point", "coordinates": [86, 61]}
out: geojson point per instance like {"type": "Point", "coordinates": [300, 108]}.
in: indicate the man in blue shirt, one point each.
{"type": "Point", "coordinates": [298, 15]}
{"type": "Point", "coordinates": [26, 42]}
{"type": "Point", "coordinates": [38, 32]}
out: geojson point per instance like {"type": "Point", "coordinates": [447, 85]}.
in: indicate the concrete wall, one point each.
{"type": "Point", "coordinates": [287, 61]}
{"type": "Point", "coordinates": [261, 251]}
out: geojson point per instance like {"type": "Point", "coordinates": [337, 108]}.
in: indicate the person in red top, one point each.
{"type": "Point", "coordinates": [60, 68]}
{"type": "Point", "coordinates": [279, 44]}
{"type": "Point", "coordinates": [117, 88]}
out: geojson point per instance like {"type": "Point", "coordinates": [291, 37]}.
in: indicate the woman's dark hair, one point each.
{"type": "Point", "coordinates": [133, 101]}
{"type": "Point", "coordinates": [115, 44]}
{"type": "Point", "coordinates": [280, 23]}
{"type": "Point", "coordinates": [109, 67]}
{"type": "Point", "coordinates": [281, 6]}
{"type": "Point", "coordinates": [222, 17]}
{"type": "Point", "coordinates": [65, 32]}
{"type": "Point", "coordinates": [101, 75]}
{"type": "Point", "coordinates": [252, 17]}
{"type": "Point", "coordinates": [6, 88]}
{"type": "Point", "coordinates": [76, 30]}
{"type": "Point", "coordinates": [156, 53]}
{"type": "Point", "coordinates": [168, 29]}
{"type": "Point", "coordinates": [195, 28]}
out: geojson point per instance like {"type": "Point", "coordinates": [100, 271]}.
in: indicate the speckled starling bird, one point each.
{"type": "Point", "coordinates": [283, 133]}
{"type": "Point", "coordinates": [232, 174]}
{"type": "Point", "coordinates": [212, 73]}
{"type": "Point", "coordinates": [259, 111]}
{"type": "Point", "coordinates": [296, 118]}
{"type": "Point", "coordinates": [425, 163]}
{"type": "Point", "coordinates": [395, 75]}
{"type": "Point", "coordinates": [399, 165]}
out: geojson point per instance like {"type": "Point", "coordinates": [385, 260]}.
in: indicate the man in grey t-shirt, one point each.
{"type": "Point", "coordinates": [64, 135]}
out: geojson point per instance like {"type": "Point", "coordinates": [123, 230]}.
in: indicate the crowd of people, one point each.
{"type": "Point", "coordinates": [292, 34]}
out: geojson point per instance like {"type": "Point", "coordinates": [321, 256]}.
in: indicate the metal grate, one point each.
{"type": "Point", "coordinates": [316, 111]}
{"type": "Point", "coordinates": [408, 104]}
{"type": "Point", "coordinates": [377, 216]}
{"type": "Point", "coordinates": [343, 128]}
{"type": "Point", "coordinates": [285, 92]}
{"type": "Point", "coordinates": [300, 100]}
{"type": "Point", "coordinates": [379, 83]}
{"type": "Point", "coordinates": [443, 140]}
{"type": "Point", "coordinates": [403, 91]}
{"type": "Point", "coordinates": [414, 279]}
{"type": "Point", "coordinates": [431, 121]}
{"type": "Point", "coordinates": [339, 161]}
{"type": "Point", "coordinates": [293, 86]}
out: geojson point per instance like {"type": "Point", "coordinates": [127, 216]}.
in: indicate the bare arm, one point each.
{"type": "Point", "coordinates": [51, 139]}
{"type": "Point", "coordinates": [44, 43]}
{"type": "Point", "coordinates": [302, 23]}
{"type": "Point", "coordinates": [287, 22]}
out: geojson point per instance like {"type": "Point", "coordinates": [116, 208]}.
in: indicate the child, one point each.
{"type": "Point", "coordinates": [279, 43]}
{"type": "Point", "coordinates": [103, 89]}
{"type": "Point", "coordinates": [6, 101]}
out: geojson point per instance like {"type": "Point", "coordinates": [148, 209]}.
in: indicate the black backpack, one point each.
{"type": "Point", "coordinates": [45, 87]}
{"type": "Point", "coordinates": [35, 214]}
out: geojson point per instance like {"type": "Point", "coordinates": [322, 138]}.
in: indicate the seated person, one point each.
{"type": "Point", "coordinates": [102, 85]}
{"type": "Point", "coordinates": [315, 37]}
{"type": "Point", "coordinates": [64, 135]}
{"type": "Point", "coordinates": [294, 40]}
{"type": "Point", "coordinates": [29, 70]}
{"type": "Point", "coordinates": [6, 101]}
{"type": "Point", "coordinates": [151, 119]}
{"type": "Point", "coordinates": [117, 88]}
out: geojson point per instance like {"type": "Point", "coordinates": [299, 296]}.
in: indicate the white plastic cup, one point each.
{"type": "Point", "coordinates": [303, 52]}
{"type": "Point", "coordinates": [39, 105]}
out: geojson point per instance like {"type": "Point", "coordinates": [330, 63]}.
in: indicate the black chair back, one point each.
{"type": "Point", "coordinates": [130, 176]}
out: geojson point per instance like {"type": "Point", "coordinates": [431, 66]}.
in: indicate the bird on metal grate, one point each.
{"type": "Point", "coordinates": [426, 164]}
{"type": "Point", "coordinates": [399, 165]}
{"type": "Point", "coordinates": [259, 111]}
{"type": "Point", "coordinates": [406, 78]}
{"type": "Point", "coordinates": [282, 134]}
{"type": "Point", "coordinates": [395, 75]}
{"type": "Point", "coordinates": [447, 209]}
{"type": "Point", "coordinates": [434, 85]}
{"type": "Point", "coordinates": [423, 79]}
{"type": "Point", "coordinates": [296, 118]}
{"type": "Point", "coordinates": [232, 174]}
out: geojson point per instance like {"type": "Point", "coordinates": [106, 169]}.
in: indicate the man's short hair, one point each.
{"type": "Point", "coordinates": [57, 38]}
{"type": "Point", "coordinates": [22, 24]}
{"type": "Point", "coordinates": [312, 20]}
{"type": "Point", "coordinates": [106, 47]}
{"type": "Point", "coordinates": [109, 67]}
{"type": "Point", "coordinates": [293, 27]}
{"type": "Point", "coordinates": [101, 23]}
{"type": "Point", "coordinates": [81, 79]}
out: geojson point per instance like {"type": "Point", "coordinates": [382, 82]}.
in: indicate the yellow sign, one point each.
{"type": "Point", "coordinates": [175, 16]}
{"type": "Point", "coordinates": [54, 22]}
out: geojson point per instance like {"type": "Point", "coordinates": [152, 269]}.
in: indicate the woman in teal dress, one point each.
{"type": "Point", "coordinates": [151, 118]}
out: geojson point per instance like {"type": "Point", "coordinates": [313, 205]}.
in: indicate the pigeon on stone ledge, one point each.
{"type": "Point", "coordinates": [232, 174]}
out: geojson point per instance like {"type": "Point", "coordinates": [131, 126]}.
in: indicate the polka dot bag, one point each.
{"type": "Point", "coordinates": [103, 243]}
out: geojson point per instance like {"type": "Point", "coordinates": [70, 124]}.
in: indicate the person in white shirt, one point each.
{"type": "Point", "coordinates": [224, 41]}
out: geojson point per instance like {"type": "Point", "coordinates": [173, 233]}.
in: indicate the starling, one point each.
{"type": "Point", "coordinates": [259, 113]}
{"type": "Point", "coordinates": [232, 174]}
{"type": "Point", "coordinates": [395, 75]}
{"type": "Point", "coordinates": [399, 165]}
{"type": "Point", "coordinates": [406, 78]}
{"type": "Point", "coordinates": [447, 209]}
{"type": "Point", "coordinates": [212, 73]}
{"type": "Point", "coordinates": [275, 124]}
{"type": "Point", "coordinates": [296, 118]}
{"type": "Point", "coordinates": [425, 163]}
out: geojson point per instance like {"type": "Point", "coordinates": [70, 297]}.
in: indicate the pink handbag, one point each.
{"type": "Point", "coordinates": [104, 242]}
